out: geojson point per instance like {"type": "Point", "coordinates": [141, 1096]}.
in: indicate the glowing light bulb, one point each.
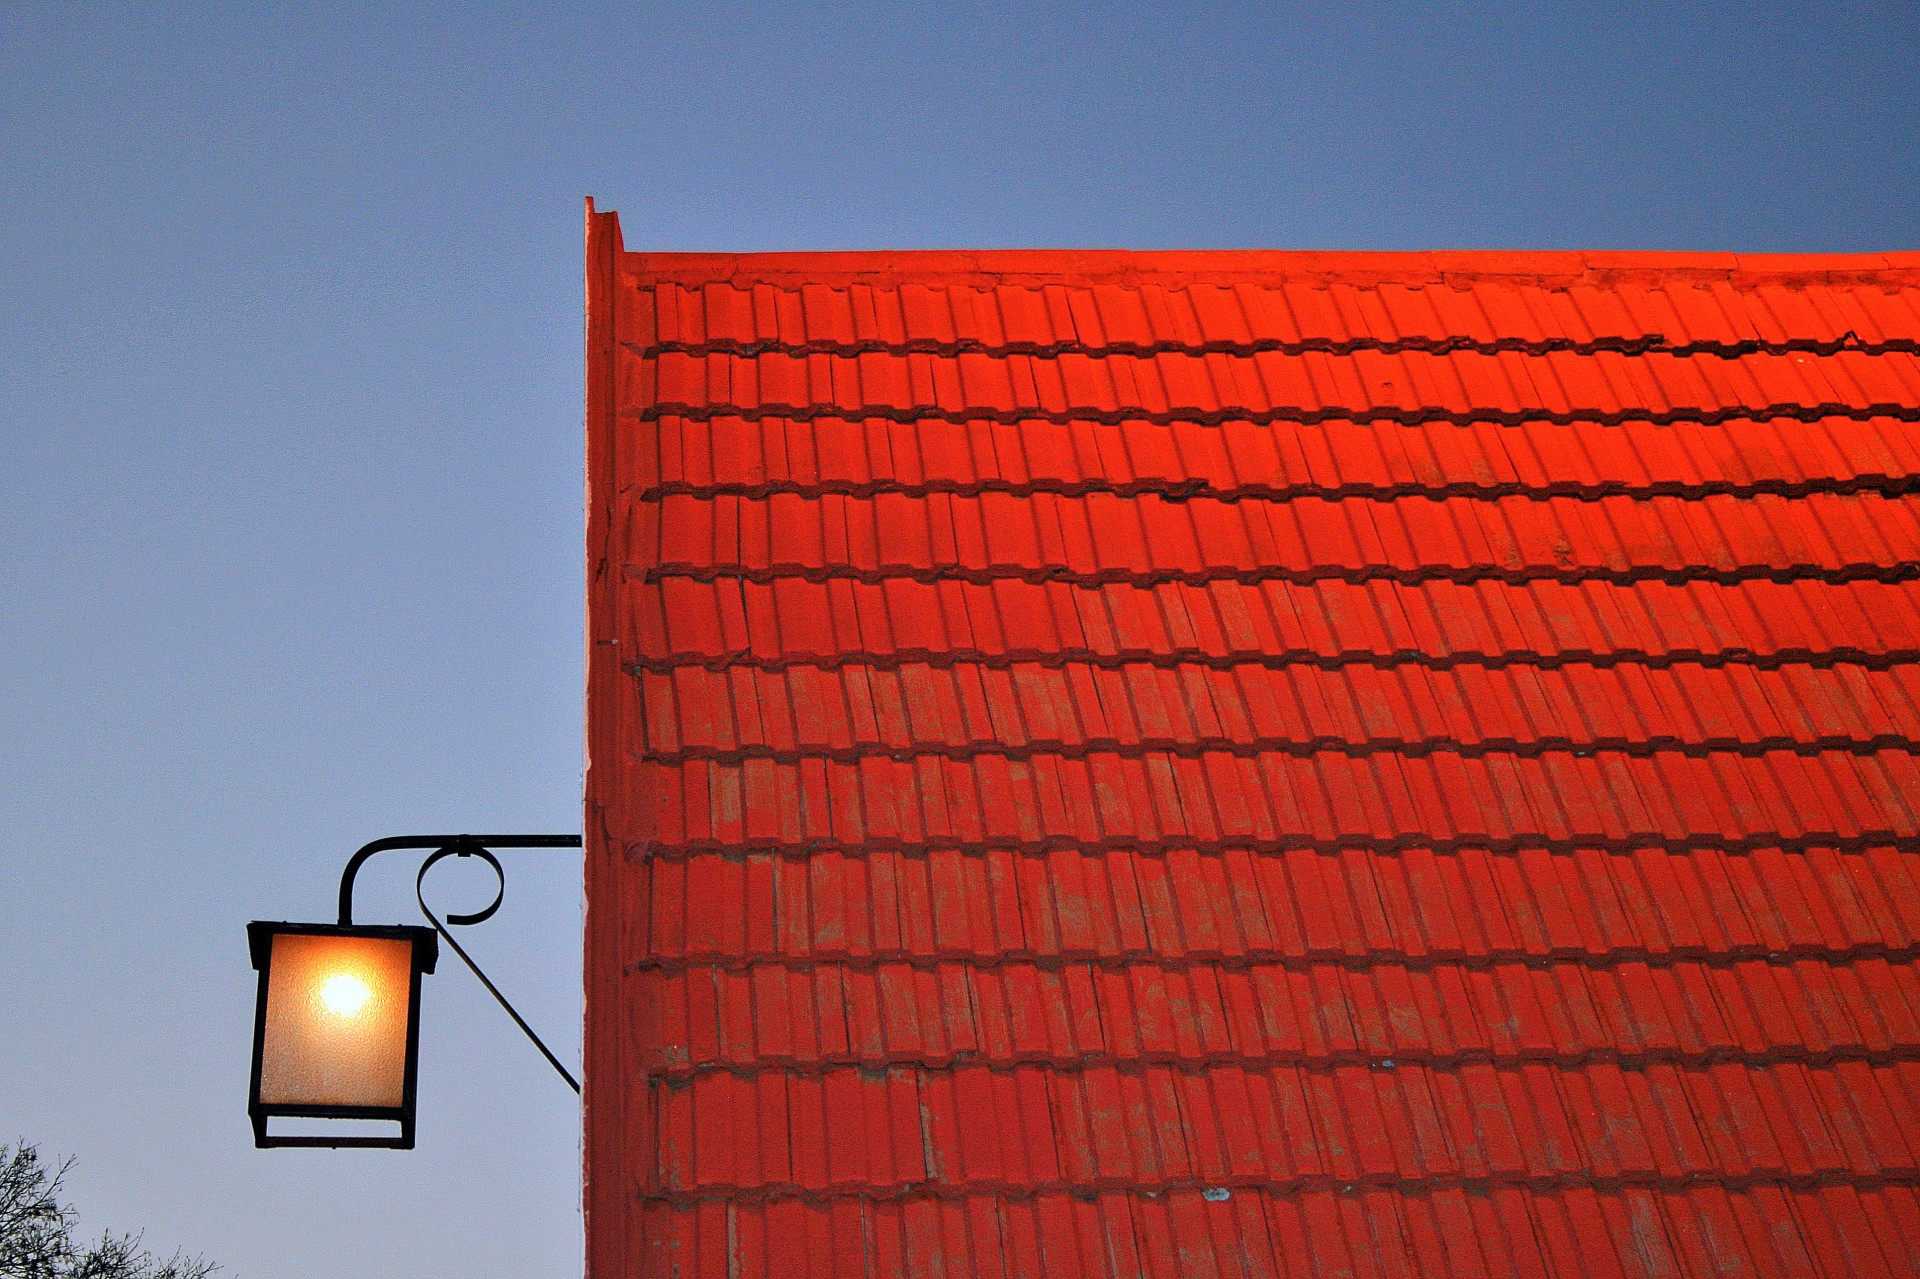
{"type": "Point", "coordinates": [344, 994]}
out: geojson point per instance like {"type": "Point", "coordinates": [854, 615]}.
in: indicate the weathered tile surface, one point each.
{"type": "Point", "coordinates": [1242, 764]}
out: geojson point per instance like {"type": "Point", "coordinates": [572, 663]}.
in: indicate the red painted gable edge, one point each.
{"type": "Point", "coordinates": [603, 1066]}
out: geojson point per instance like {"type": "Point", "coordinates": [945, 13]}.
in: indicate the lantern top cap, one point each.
{"type": "Point", "coordinates": [261, 932]}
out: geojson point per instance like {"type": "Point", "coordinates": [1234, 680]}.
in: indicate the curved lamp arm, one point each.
{"type": "Point", "coordinates": [439, 841]}
{"type": "Point", "coordinates": [461, 846]}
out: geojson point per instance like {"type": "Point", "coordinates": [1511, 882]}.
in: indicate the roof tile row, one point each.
{"type": "Point", "coordinates": [934, 1130]}
{"type": "Point", "coordinates": [1261, 460]}
{"type": "Point", "coordinates": [944, 537]}
{"type": "Point", "coordinates": [1310, 1013]}
{"type": "Point", "coordinates": [1350, 905]}
{"type": "Point", "coordinates": [1119, 317]}
{"type": "Point", "coordinates": [1466, 1231]}
{"type": "Point", "coordinates": [1606, 386]}
{"type": "Point", "coordinates": [1558, 797]}
{"type": "Point", "coordinates": [921, 709]}
{"type": "Point", "coordinates": [1428, 622]}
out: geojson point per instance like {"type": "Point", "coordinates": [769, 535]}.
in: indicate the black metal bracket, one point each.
{"type": "Point", "coordinates": [461, 846]}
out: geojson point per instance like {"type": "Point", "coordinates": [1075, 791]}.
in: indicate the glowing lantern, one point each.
{"type": "Point", "coordinates": [336, 1032]}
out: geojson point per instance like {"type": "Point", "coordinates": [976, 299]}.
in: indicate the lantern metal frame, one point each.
{"type": "Point", "coordinates": [425, 943]}
{"type": "Point", "coordinates": [426, 952]}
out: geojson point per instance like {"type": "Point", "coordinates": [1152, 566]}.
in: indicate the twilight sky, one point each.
{"type": "Point", "coordinates": [290, 444]}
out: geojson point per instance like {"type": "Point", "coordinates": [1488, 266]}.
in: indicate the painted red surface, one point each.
{"type": "Point", "coordinates": [1253, 764]}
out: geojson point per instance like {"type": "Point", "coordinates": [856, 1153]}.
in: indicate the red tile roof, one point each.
{"type": "Point", "coordinates": [1239, 764]}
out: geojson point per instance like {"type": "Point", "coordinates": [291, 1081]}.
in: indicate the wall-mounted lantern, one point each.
{"type": "Point", "coordinates": [336, 1033]}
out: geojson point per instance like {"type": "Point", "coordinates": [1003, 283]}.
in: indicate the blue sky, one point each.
{"type": "Point", "coordinates": [290, 452]}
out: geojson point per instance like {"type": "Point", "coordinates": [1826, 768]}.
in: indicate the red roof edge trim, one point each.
{"type": "Point", "coordinates": [603, 1072]}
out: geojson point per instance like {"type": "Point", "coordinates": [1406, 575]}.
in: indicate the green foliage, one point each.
{"type": "Point", "coordinates": [36, 1231]}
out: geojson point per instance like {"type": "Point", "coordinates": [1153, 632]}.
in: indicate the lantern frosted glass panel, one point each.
{"type": "Point", "coordinates": [336, 1021]}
